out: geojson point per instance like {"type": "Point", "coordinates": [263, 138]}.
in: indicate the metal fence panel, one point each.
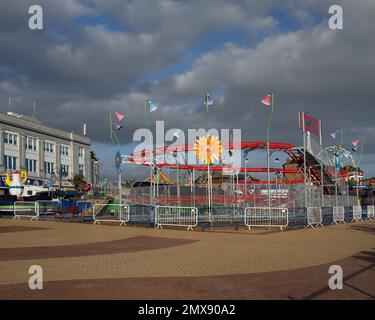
{"type": "Point", "coordinates": [266, 217]}
{"type": "Point", "coordinates": [142, 214]}
{"type": "Point", "coordinates": [338, 214]}
{"type": "Point", "coordinates": [176, 216]}
{"type": "Point", "coordinates": [25, 209]}
{"type": "Point", "coordinates": [370, 212]}
{"type": "Point", "coordinates": [111, 213]}
{"type": "Point", "coordinates": [314, 217]}
{"type": "Point", "coordinates": [227, 215]}
{"type": "Point", "coordinates": [47, 208]}
{"type": "Point", "coordinates": [357, 213]}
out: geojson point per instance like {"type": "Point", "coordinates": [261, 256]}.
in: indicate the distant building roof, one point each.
{"type": "Point", "coordinates": [30, 123]}
{"type": "Point", "coordinates": [23, 117]}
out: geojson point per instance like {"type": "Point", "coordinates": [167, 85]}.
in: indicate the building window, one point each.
{"type": "Point", "coordinates": [30, 165]}
{"type": "Point", "coordinates": [64, 150]}
{"type": "Point", "coordinates": [48, 167]}
{"type": "Point", "coordinates": [81, 152]}
{"type": "Point", "coordinates": [10, 163]}
{"type": "Point", "coordinates": [10, 138]}
{"type": "Point", "coordinates": [81, 169]}
{"type": "Point", "coordinates": [48, 146]}
{"type": "Point", "coordinates": [30, 143]}
{"type": "Point", "coordinates": [64, 169]}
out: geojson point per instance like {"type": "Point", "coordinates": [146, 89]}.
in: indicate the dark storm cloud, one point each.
{"type": "Point", "coordinates": [94, 57]}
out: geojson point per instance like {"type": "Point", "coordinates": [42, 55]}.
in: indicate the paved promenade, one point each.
{"type": "Point", "coordinates": [85, 261]}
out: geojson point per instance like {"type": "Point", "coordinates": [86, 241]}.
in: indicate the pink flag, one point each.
{"type": "Point", "coordinates": [119, 116]}
{"type": "Point", "coordinates": [356, 143]}
{"type": "Point", "coordinates": [267, 100]}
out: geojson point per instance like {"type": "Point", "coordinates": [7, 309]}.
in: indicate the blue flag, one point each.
{"type": "Point", "coordinates": [151, 106]}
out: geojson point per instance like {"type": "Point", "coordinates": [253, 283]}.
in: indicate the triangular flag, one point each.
{"type": "Point", "coordinates": [356, 142]}
{"type": "Point", "coordinates": [207, 100]}
{"type": "Point", "coordinates": [119, 116]}
{"type": "Point", "coordinates": [355, 149]}
{"type": "Point", "coordinates": [151, 106]}
{"type": "Point", "coordinates": [334, 134]}
{"type": "Point", "coordinates": [267, 100]}
{"type": "Point", "coordinates": [118, 126]}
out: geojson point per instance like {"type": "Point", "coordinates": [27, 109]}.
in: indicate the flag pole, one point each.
{"type": "Point", "coordinates": [207, 116]}
{"type": "Point", "coordinates": [146, 122]}
{"type": "Point", "coordinates": [268, 151]}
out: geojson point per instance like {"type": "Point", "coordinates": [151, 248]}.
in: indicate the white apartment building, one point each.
{"type": "Point", "coordinates": [26, 144]}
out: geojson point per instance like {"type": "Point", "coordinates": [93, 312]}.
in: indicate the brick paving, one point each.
{"type": "Point", "coordinates": [203, 265]}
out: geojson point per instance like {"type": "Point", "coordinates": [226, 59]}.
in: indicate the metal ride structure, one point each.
{"type": "Point", "coordinates": [236, 185]}
{"type": "Point", "coordinates": [224, 193]}
{"type": "Point", "coordinates": [236, 188]}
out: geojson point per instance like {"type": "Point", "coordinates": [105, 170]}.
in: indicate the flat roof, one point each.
{"type": "Point", "coordinates": [32, 124]}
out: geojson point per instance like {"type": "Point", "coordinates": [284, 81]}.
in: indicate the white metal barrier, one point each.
{"type": "Point", "coordinates": [111, 213]}
{"type": "Point", "coordinates": [46, 208]}
{"type": "Point", "coordinates": [25, 209]}
{"type": "Point", "coordinates": [176, 216]}
{"type": "Point", "coordinates": [266, 217]}
{"type": "Point", "coordinates": [357, 213]}
{"type": "Point", "coordinates": [338, 215]}
{"type": "Point", "coordinates": [142, 214]}
{"type": "Point", "coordinates": [370, 212]}
{"type": "Point", "coordinates": [314, 217]}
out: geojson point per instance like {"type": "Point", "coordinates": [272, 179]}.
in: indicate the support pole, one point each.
{"type": "Point", "coordinates": [120, 187]}
{"type": "Point", "coordinates": [268, 152]}
{"type": "Point", "coordinates": [304, 159]}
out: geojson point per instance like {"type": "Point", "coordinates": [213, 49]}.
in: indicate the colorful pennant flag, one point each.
{"type": "Point", "coordinates": [356, 143]}
{"type": "Point", "coordinates": [309, 123]}
{"type": "Point", "coordinates": [118, 116]}
{"type": "Point", "coordinates": [118, 126]}
{"type": "Point", "coordinates": [207, 100]}
{"type": "Point", "coordinates": [334, 134]}
{"type": "Point", "coordinates": [355, 149]}
{"type": "Point", "coordinates": [267, 100]}
{"type": "Point", "coordinates": [152, 106]}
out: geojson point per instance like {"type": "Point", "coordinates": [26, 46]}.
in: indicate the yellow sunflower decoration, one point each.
{"type": "Point", "coordinates": [208, 149]}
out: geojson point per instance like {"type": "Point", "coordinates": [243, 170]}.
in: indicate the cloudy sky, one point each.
{"type": "Point", "coordinates": [95, 57]}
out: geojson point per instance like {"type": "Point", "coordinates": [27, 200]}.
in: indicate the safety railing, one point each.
{"type": "Point", "coordinates": [266, 217]}
{"type": "Point", "coordinates": [176, 216]}
{"type": "Point", "coordinates": [227, 215]}
{"type": "Point", "coordinates": [142, 214]}
{"type": "Point", "coordinates": [314, 217]}
{"type": "Point", "coordinates": [47, 208]}
{"type": "Point", "coordinates": [370, 212]}
{"type": "Point", "coordinates": [357, 213]}
{"type": "Point", "coordinates": [25, 209]}
{"type": "Point", "coordinates": [338, 214]}
{"type": "Point", "coordinates": [111, 213]}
